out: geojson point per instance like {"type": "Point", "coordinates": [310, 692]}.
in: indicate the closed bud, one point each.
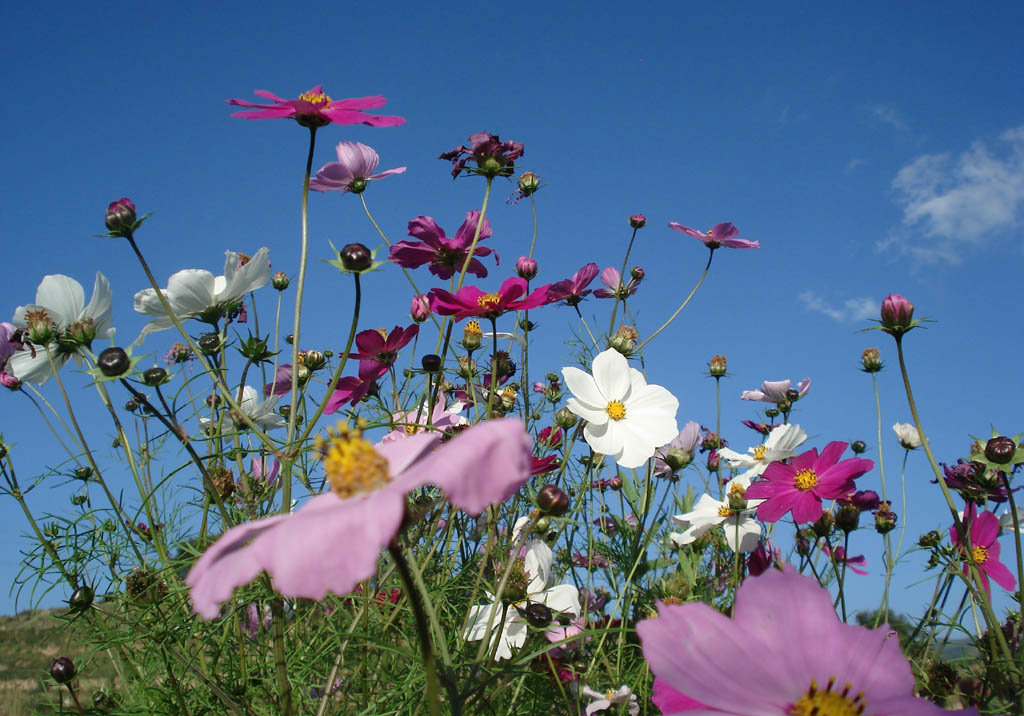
{"type": "Point", "coordinates": [615, 483]}
{"type": "Point", "coordinates": [528, 183]}
{"type": "Point", "coordinates": [858, 446]}
{"type": "Point", "coordinates": [154, 377]}
{"type": "Point", "coordinates": [897, 314]}
{"type": "Point", "coordinates": [677, 458]}
{"type": "Point", "coordinates": [847, 517]}
{"type": "Point", "coordinates": [113, 362]}
{"type": "Point", "coordinates": [120, 216]}
{"type": "Point", "coordinates": [79, 499]}
{"type": "Point", "coordinates": [637, 221]}
{"type": "Point", "coordinates": [280, 280]}
{"type": "Point", "coordinates": [314, 360]}
{"type": "Point", "coordinates": [209, 343]}
{"type": "Point", "coordinates": [1000, 450]}
{"type": "Point", "coordinates": [565, 418]}
{"type": "Point", "coordinates": [356, 257]}
{"type": "Point", "coordinates": [885, 519]}
{"type": "Point", "coordinates": [637, 273]}
{"type": "Point", "coordinates": [714, 461]}
{"type": "Point", "coordinates": [538, 615]}
{"type": "Point", "coordinates": [63, 670]}
{"type": "Point", "coordinates": [771, 412]}
{"type": "Point", "coordinates": [526, 267]}
{"type": "Point", "coordinates": [823, 526]}
{"type": "Point", "coordinates": [420, 309]}
{"type": "Point", "coordinates": [82, 473]}
{"type": "Point", "coordinates": [930, 539]}
{"type": "Point", "coordinates": [870, 360]}
{"type": "Point", "coordinates": [717, 366]}
{"type": "Point", "coordinates": [81, 599]}
{"type": "Point", "coordinates": [552, 500]}
{"type": "Point", "coordinates": [431, 362]}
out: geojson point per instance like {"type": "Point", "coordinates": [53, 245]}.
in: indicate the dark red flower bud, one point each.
{"type": "Point", "coordinates": [637, 221]}
{"type": "Point", "coordinates": [858, 446]}
{"type": "Point", "coordinates": [113, 362]}
{"type": "Point", "coordinates": [120, 216]}
{"type": "Point", "coordinates": [62, 669]}
{"type": "Point", "coordinates": [1000, 450]}
{"type": "Point", "coordinates": [552, 500]}
{"type": "Point", "coordinates": [356, 257]}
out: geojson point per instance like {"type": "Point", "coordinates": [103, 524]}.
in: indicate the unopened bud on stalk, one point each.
{"type": "Point", "coordinates": [930, 539]}
{"type": "Point", "coordinates": [81, 599]}
{"type": "Point", "coordinates": [526, 267]}
{"type": "Point", "coordinates": [420, 308]}
{"type": "Point", "coordinates": [637, 273]}
{"type": "Point", "coordinates": [154, 377]}
{"type": "Point", "coordinates": [431, 362]}
{"type": "Point", "coordinates": [823, 526]}
{"type": "Point", "coordinates": [565, 418]}
{"type": "Point", "coordinates": [538, 615]}
{"type": "Point", "coordinates": [847, 517]}
{"type": "Point", "coordinates": [314, 360]}
{"type": "Point", "coordinates": [771, 412]}
{"type": "Point", "coordinates": [897, 315]}
{"type": "Point", "coordinates": [113, 362]}
{"type": "Point", "coordinates": [280, 280]}
{"type": "Point", "coordinates": [615, 483]}
{"type": "Point", "coordinates": [871, 361]}
{"type": "Point", "coordinates": [717, 366]}
{"type": "Point", "coordinates": [120, 216]}
{"type": "Point", "coordinates": [528, 183]}
{"type": "Point", "coordinates": [1000, 450]}
{"type": "Point", "coordinates": [885, 519]}
{"type": "Point", "coordinates": [552, 500]}
{"type": "Point", "coordinates": [356, 257]}
{"type": "Point", "coordinates": [83, 473]}
{"type": "Point", "coordinates": [209, 343]}
{"type": "Point", "coordinates": [637, 221]}
{"type": "Point", "coordinates": [858, 446]}
{"type": "Point", "coordinates": [63, 670]}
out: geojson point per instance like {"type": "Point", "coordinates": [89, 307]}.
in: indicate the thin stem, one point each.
{"type": "Point", "coordinates": [671, 318]}
{"type": "Point", "coordinates": [622, 281]}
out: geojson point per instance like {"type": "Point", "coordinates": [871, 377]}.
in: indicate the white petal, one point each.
{"type": "Point", "coordinates": [583, 386]}
{"type": "Point", "coordinates": [28, 369]}
{"type": "Point", "coordinates": [597, 416]}
{"type": "Point", "coordinates": [189, 292]}
{"type": "Point", "coordinates": [561, 599]}
{"type": "Point", "coordinates": [63, 297]}
{"type": "Point", "coordinates": [240, 281]}
{"type": "Point", "coordinates": [99, 308]}
{"type": "Point", "coordinates": [537, 562]}
{"type": "Point", "coordinates": [746, 529]}
{"type": "Point", "coordinates": [612, 374]}
{"type": "Point", "coordinates": [604, 439]}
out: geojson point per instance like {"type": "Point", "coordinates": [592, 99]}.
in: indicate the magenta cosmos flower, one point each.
{"type": "Point", "coordinates": [354, 168]}
{"type": "Point", "coordinates": [362, 513]}
{"type": "Point", "coordinates": [774, 391]}
{"type": "Point", "coordinates": [610, 277]}
{"type": "Point", "coordinates": [470, 301]}
{"type": "Point", "coordinates": [351, 389]}
{"type": "Point", "coordinates": [378, 349]}
{"type": "Point", "coordinates": [445, 256]}
{"type": "Point", "coordinates": [492, 156]}
{"type": "Point", "coordinates": [983, 529]}
{"type": "Point", "coordinates": [315, 109]}
{"type": "Point", "coordinates": [572, 290]}
{"type": "Point", "coordinates": [720, 235]}
{"type": "Point", "coordinates": [783, 652]}
{"type": "Point", "coordinates": [803, 483]}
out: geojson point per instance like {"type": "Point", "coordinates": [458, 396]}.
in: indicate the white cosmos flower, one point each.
{"type": "Point", "coordinates": [260, 412]}
{"type": "Point", "coordinates": [626, 418]}
{"type": "Point", "coordinates": [781, 444]}
{"type": "Point", "coordinates": [908, 436]}
{"type": "Point", "coordinates": [742, 531]}
{"type": "Point", "coordinates": [605, 701]}
{"type": "Point", "coordinates": [560, 599]}
{"type": "Point", "coordinates": [198, 293]}
{"type": "Point", "coordinates": [63, 300]}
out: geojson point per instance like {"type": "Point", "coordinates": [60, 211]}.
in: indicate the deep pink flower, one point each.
{"type": "Point", "coordinates": [351, 389]}
{"type": "Point", "coordinates": [377, 350]}
{"type": "Point", "coordinates": [492, 156]}
{"type": "Point", "coordinates": [802, 484]}
{"type": "Point", "coordinates": [762, 428]}
{"type": "Point", "coordinates": [794, 654]}
{"type": "Point", "coordinates": [897, 315]}
{"type": "Point", "coordinates": [572, 290]}
{"type": "Point", "coordinates": [526, 268]}
{"type": "Point", "coordinates": [774, 391]}
{"type": "Point", "coordinates": [720, 235]}
{"type": "Point", "coordinates": [316, 109]}
{"type": "Point", "coordinates": [983, 529]}
{"type": "Point", "coordinates": [542, 465]}
{"type": "Point", "coordinates": [444, 255]}
{"type": "Point", "coordinates": [839, 555]}
{"type": "Point", "coordinates": [355, 166]}
{"type": "Point", "coordinates": [362, 513]}
{"type": "Point", "coordinates": [470, 301]}
{"type": "Point", "coordinates": [610, 277]}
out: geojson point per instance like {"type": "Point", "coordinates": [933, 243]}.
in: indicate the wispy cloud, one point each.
{"type": "Point", "coordinates": [888, 115]}
{"type": "Point", "coordinates": [854, 163]}
{"type": "Point", "coordinates": [954, 203]}
{"type": "Point", "coordinates": [852, 309]}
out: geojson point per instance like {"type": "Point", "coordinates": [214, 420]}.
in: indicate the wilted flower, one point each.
{"type": "Point", "coordinates": [315, 109]}
{"type": "Point", "coordinates": [354, 168]}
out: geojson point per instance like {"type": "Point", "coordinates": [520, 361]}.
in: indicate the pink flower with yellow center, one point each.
{"type": "Point", "coordinates": [983, 529]}
{"type": "Point", "coordinates": [378, 349]}
{"type": "Point", "coordinates": [470, 301]}
{"type": "Point", "coordinates": [801, 485]}
{"type": "Point", "coordinates": [315, 109]}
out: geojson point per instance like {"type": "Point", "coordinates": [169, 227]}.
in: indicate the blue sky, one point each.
{"type": "Point", "coordinates": [870, 149]}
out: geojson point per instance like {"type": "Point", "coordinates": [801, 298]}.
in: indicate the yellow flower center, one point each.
{"type": "Point", "coordinates": [759, 452]}
{"type": "Point", "coordinates": [724, 511]}
{"type": "Point", "coordinates": [829, 702]}
{"type": "Point", "coordinates": [38, 317]}
{"type": "Point", "coordinates": [508, 393]}
{"type": "Point", "coordinates": [473, 327]}
{"type": "Point", "coordinates": [411, 429]}
{"type": "Point", "coordinates": [383, 332]}
{"type": "Point", "coordinates": [353, 467]}
{"type": "Point", "coordinates": [319, 99]}
{"type": "Point", "coordinates": [708, 232]}
{"type": "Point", "coordinates": [616, 410]}
{"type": "Point", "coordinates": [243, 259]}
{"type": "Point", "coordinates": [979, 554]}
{"type": "Point", "coordinates": [610, 694]}
{"type": "Point", "coordinates": [805, 479]}
{"type": "Point", "coordinates": [488, 300]}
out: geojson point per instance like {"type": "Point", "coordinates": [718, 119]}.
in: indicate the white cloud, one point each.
{"type": "Point", "coordinates": [854, 163]}
{"type": "Point", "coordinates": [955, 203]}
{"type": "Point", "coordinates": [852, 309]}
{"type": "Point", "coordinates": [888, 115]}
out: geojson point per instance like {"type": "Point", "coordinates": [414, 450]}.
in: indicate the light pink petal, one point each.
{"type": "Point", "coordinates": [741, 244]}
{"type": "Point", "coordinates": [360, 159]}
{"type": "Point", "coordinates": [686, 230]}
{"type": "Point", "coordinates": [387, 173]}
{"type": "Point", "coordinates": [754, 395]}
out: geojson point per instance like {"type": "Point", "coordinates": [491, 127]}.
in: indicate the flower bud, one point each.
{"type": "Point", "coordinates": [120, 216]}
{"type": "Point", "coordinates": [526, 267]}
{"type": "Point", "coordinates": [803, 541]}
{"type": "Point", "coordinates": [714, 461]}
{"type": "Point", "coordinates": [528, 183]}
{"type": "Point", "coordinates": [1000, 450]}
{"type": "Point", "coordinates": [154, 377]}
{"type": "Point", "coordinates": [209, 343]}
{"type": "Point", "coordinates": [759, 560]}
{"type": "Point", "coordinates": [637, 273]}
{"type": "Point", "coordinates": [624, 340]}
{"type": "Point", "coordinates": [472, 336]}
{"type": "Point", "coordinates": [771, 412]}
{"type": "Point", "coordinates": [885, 519]}
{"type": "Point", "coordinates": [858, 446]}
{"type": "Point", "coordinates": [62, 669]}
{"type": "Point", "coordinates": [356, 257]}
{"type": "Point", "coordinates": [82, 473]}
{"type": "Point", "coordinates": [314, 360]}
{"type": "Point", "coordinates": [870, 360]}
{"type": "Point", "coordinates": [552, 500]}
{"type": "Point", "coordinates": [280, 280]}
{"type": "Point", "coordinates": [420, 308]}
{"type": "Point", "coordinates": [848, 517]}
{"type": "Point", "coordinates": [431, 362]}
{"type": "Point", "coordinates": [677, 458]}
{"type": "Point", "coordinates": [897, 314]}
{"type": "Point", "coordinates": [565, 418]}
{"type": "Point", "coordinates": [930, 539]}
{"type": "Point", "coordinates": [113, 362]}
{"type": "Point", "coordinates": [39, 327]}
{"type": "Point", "coordinates": [538, 615]}
{"type": "Point", "coordinates": [615, 483]}
{"type": "Point", "coordinates": [81, 599]}
{"type": "Point", "coordinates": [637, 221]}
{"type": "Point", "coordinates": [823, 526]}
{"type": "Point", "coordinates": [717, 366]}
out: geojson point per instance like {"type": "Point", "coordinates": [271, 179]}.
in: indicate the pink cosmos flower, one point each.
{"type": "Point", "coordinates": [803, 483]}
{"type": "Point", "coordinates": [362, 513]}
{"type": "Point", "coordinates": [839, 555]}
{"type": "Point", "coordinates": [281, 383]}
{"type": "Point", "coordinates": [316, 109]}
{"type": "Point", "coordinates": [470, 301]}
{"type": "Point", "coordinates": [679, 451]}
{"type": "Point", "coordinates": [572, 290]}
{"type": "Point", "coordinates": [796, 656]}
{"type": "Point", "coordinates": [720, 235]}
{"type": "Point", "coordinates": [774, 391]}
{"type": "Point", "coordinates": [610, 277]}
{"type": "Point", "coordinates": [353, 169]}
{"type": "Point", "coordinates": [983, 529]}
{"type": "Point", "coordinates": [377, 350]}
{"type": "Point", "coordinates": [9, 342]}
{"type": "Point", "coordinates": [443, 417]}
{"type": "Point", "coordinates": [444, 255]}
{"type": "Point", "coordinates": [351, 389]}
{"type": "Point", "coordinates": [266, 469]}
{"type": "Point", "coordinates": [492, 156]}
{"type": "Point", "coordinates": [542, 465]}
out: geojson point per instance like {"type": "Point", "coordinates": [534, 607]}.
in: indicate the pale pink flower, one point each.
{"type": "Point", "coordinates": [354, 168]}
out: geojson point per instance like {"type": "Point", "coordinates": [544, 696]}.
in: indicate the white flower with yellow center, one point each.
{"type": "Point", "coordinates": [735, 513]}
{"type": "Point", "coordinates": [626, 418]}
{"type": "Point", "coordinates": [610, 701]}
{"type": "Point", "coordinates": [781, 444]}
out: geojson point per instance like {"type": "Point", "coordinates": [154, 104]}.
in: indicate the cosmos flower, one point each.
{"type": "Point", "coordinates": [354, 168]}
{"type": "Point", "coordinates": [839, 555]}
{"type": "Point", "coordinates": [444, 417]}
{"type": "Point", "coordinates": [774, 391]}
{"type": "Point", "coordinates": [983, 529]}
{"type": "Point", "coordinates": [735, 513]}
{"type": "Point", "coordinates": [60, 305]}
{"type": "Point", "coordinates": [573, 290]}
{"type": "Point", "coordinates": [315, 109]}
{"type": "Point", "coordinates": [378, 349]}
{"type": "Point", "coordinates": [610, 701]}
{"type": "Point", "coordinates": [262, 413]}
{"type": "Point", "coordinates": [781, 444]}
{"type": "Point", "coordinates": [908, 436]}
{"type": "Point", "coordinates": [626, 418]}
{"type": "Point", "coordinates": [613, 281]}
{"type": "Point", "coordinates": [797, 657]}
{"type": "Point", "coordinates": [1006, 520]}
{"type": "Point", "coordinates": [445, 255]}
{"type": "Point", "coordinates": [351, 389]}
{"type": "Point", "coordinates": [805, 481]}
{"type": "Point", "coordinates": [470, 301]}
{"type": "Point", "coordinates": [492, 156]}
{"type": "Point", "coordinates": [678, 453]}
{"type": "Point", "coordinates": [719, 235]}
{"type": "Point", "coordinates": [362, 513]}
{"type": "Point", "coordinates": [196, 293]}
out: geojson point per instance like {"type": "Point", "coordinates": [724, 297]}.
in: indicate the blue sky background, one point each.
{"type": "Point", "coordinates": [870, 149]}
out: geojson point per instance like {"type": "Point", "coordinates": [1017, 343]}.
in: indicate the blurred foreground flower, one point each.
{"type": "Point", "coordinates": [354, 168]}
{"type": "Point", "coordinates": [315, 109]}
{"type": "Point", "coordinates": [362, 513]}
{"type": "Point", "coordinates": [721, 235]}
{"type": "Point", "coordinates": [626, 418]}
{"type": "Point", "coordinates": [797, 656]}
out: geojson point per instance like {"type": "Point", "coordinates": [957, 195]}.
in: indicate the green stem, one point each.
{"type": "Point", "coordinates": [622, 282]}
{"type": "Point", "coordinates": [682, 306]}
